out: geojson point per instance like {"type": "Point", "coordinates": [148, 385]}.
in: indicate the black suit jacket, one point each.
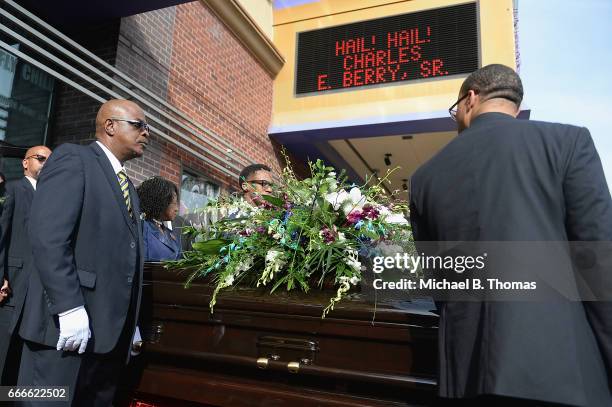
{"type": "Point", "coordinates": [88, 250]}
{"type": "Point", "coordinates": [505, 179]}
{"type": "Point", "coordinates": [15, 250]}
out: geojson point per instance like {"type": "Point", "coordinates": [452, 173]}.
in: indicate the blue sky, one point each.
{"type": "Point", "coordinates": [566, 64]}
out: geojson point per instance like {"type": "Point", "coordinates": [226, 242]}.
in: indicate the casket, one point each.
{"type": "Point", "coordinates": [262, 349]}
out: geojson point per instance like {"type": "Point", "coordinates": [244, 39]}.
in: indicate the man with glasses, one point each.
{"type": "Point", "coordinates": [16, 257]}
{"type": "Point", "coordinates": [255, 180]}
{"type": "Point", "coordinates": [508, 180]}
{"type": "Point", "coordinates": [82, 302]}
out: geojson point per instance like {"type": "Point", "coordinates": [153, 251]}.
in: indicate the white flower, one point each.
{"type": "Point", "coordinates": [274, 262]}
{"type": "Point", "coordinates": [356, 265]}
{"type": "Point", "coordinates": [396, 218]}
{"type": "Point", "coordinates": [356, 197]}
{"type": "Point", "coordinates": [229, 280]}
{"type": "Point", "coordinates": [271, 255]}
{"type": "Point", "coordinates": [352, 259]}
{"type": "Point", "coordinates": [244, 265]}
{"type": "Point", "coordinates": [392, 217]}
{"type": "Point", "coordinates": [348, 201]}
{"type": "Point", "coordinates": [276, 236]}
{"type": "Point", "coordinates": [354, 202]}
{"type": "Point", "coordinates": [331, 181]}
{"type": "Point", "coordinates": [346, 280]}
{"type": "Point", "coordinates": [336, 199]}
{"type": "Point", "coordinates": [341, 237]}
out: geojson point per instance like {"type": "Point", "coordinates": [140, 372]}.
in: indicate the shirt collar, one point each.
{"type": "Point", "coordinates": [111, 157]}
{"type": "Point", "coordinates": [32, 181]}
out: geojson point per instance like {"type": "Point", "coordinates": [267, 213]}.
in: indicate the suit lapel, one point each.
{"type": "Point", "coordinates": [135, 208]}
{"type": "Point", "coordinates": [26, 192]}
{"type": "Point", "coordinates": [28, 189]}
{"type": "Point", "coordinates": [159, 236]}
{"type": "Point", "coordinates": [111, 177]}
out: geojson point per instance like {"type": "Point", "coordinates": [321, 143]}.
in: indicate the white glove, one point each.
{"type": "Point", "coordinates": [74, 330]}
{"type": "Point", "coordinates": [135, 350]}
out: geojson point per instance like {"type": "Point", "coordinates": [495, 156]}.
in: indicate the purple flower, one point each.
{"type": "Point", "coordinates": [354, 216]}
{"type": "Point", "coordinates": [328, 235]}
{"type": "Point", "coordinates": [370, 212]}
{"type": "Point", "coordinates": [262, 203]}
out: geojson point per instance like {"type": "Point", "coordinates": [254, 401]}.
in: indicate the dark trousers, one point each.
{"type": "Point", "coordinates": [10, 348]}
{"type": "Point", "coordinates": [91, 378]}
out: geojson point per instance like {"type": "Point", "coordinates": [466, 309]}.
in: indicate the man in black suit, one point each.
{"type": "Point", "coordinates": [508, 180]}
{"type": "Point", "coordinates": [16, 257]}
{"type": "Point", "coordinates": [82, 302]}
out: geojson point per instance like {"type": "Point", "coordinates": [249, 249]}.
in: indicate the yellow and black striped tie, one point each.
{"type": "Point", "coordinates": [125, 190]}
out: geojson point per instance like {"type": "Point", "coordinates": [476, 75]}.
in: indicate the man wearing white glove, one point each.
{"type": "Point", "coordinates": [74, 330]}
{"type": "Point", "coordinates": [82, 303]}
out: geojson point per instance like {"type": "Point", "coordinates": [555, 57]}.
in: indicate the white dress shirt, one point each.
{"type": "Point", "coordinates": [32, 181]}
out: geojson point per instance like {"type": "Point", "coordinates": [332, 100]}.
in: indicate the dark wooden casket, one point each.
{"type": "Point", "coordinates": [259, 349]}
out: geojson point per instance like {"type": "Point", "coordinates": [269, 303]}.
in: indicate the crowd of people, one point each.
{"type": "Point", "coordinates": [75, 233]}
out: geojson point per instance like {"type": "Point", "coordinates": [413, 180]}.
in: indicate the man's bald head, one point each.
{"type": "Point", "coordinates": [114, 108]}
{"type": "Point", "coordinates": [34, 160]}
{"type": "Point", "coordinates": [121, 126]}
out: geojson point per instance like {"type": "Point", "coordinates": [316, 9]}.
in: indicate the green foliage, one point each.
{"type": "Point", "coordinates": [307, 233]}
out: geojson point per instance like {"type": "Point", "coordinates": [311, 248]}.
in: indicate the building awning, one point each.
{"type": "Point", "coordinates": [75, 12]}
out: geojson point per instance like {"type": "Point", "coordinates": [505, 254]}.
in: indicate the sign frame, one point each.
{"type": "Point", "coordinates": [397, 82]}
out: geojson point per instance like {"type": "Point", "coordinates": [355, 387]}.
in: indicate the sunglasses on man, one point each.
{"type": "Point", "coordinates": [40, 158]}
{"type": "Point", "coordinates": [139, 124]}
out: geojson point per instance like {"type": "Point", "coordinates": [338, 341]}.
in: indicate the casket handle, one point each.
{"type": "Point", "coordinates": [293, 367]}
{"type": "Point", "coordinates": [262, 363]}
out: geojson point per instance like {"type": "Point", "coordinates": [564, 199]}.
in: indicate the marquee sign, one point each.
{"type": "Point", "coordinates": [422, 45]}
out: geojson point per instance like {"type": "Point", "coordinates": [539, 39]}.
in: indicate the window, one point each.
{"type": "Point", "coordinates": [196, 191]}
{"type": "Point", "coordinates": [25, 101]}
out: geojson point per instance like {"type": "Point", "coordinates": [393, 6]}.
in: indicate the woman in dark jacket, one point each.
{"type": "Point", "coordinates": [159, 203]}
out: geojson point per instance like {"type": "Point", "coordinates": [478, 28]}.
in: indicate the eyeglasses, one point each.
{"type": "Point", "coordinates": [40, 158]}
{"type": "Point", "coordinates": [139, 124]}
{"type": "Point", "coordinates": [453, 109]}
{"type": "Point", "coordinates": [264, 183]}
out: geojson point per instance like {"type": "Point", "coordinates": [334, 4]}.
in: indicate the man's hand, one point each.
{"type": "Point", "coordinates": [74, 330]}
{"type": "Point", "coordinates": [5, 291]}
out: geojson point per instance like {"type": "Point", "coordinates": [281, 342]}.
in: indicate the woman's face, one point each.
{"type": "Point", "coordinates": [171, 210]}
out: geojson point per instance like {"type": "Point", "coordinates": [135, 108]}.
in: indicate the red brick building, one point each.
{"type": "Point", "coordinates": [202, 71]}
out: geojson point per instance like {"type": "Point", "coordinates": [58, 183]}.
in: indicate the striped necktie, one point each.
{"type": "Point", "coordinates": [125, 190]}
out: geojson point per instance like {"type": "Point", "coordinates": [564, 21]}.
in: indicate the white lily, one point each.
{"type": "Point", "coordinates": [336, 199]}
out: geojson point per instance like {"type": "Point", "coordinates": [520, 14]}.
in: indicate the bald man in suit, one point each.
{"type": "Point", "coordinates": [83, 300]}
{"type": "Point", "coordinates": [16, 257]}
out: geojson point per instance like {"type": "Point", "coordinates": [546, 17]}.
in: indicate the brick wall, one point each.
{"type": "Point", "coordinates": [74, 113]}
{"type": "Point", "coordinates": [217, 81]}
{"type": "Point", "coordinates": [188, 57]}
{"type": "Point", "coordinates": [183, 53]}
{"type": "Point", "coordinates": [144, 53]}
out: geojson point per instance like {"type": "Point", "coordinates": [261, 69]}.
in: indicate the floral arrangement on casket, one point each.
{"type": "Point", "coordinates": [307, 232]}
